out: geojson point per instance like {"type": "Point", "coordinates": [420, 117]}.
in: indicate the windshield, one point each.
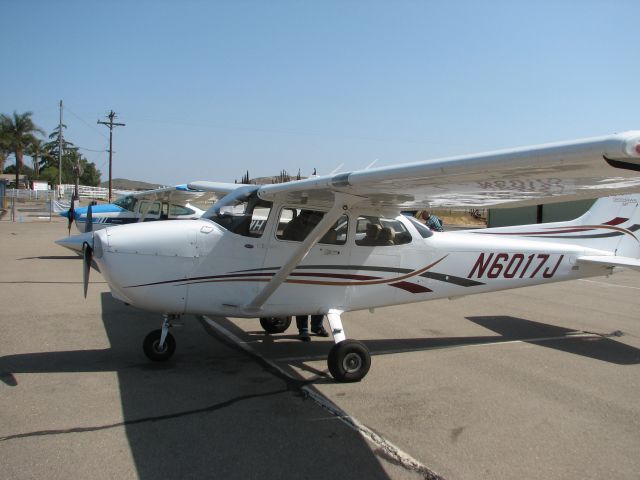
{"type": "Point", "coordinates": [127, 203]}
{"type": "Point", "coordinates": [421, 227]}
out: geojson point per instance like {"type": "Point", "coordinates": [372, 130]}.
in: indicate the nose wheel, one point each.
{"type": "Point", "coordinates": [159, 345]}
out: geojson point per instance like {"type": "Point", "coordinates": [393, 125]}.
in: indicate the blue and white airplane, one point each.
{"type": "Point", "coordinates": [169, 203]}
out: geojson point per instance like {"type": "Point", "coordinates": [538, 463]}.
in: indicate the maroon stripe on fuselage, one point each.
{"type": "Point", "coordinates": [616, 221]}
{"type": "Point", "coordinates": [411, 287]}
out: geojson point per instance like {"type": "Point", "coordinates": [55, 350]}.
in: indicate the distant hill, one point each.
{"type": "Point", "coordinates": [124, 184]}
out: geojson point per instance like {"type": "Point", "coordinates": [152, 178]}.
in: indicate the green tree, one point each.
{"type": "Point", "coordinates": [4, 152]}
{"type": "Point", "coordinates": [38, 153]}
{"type": "Point", "coordinates": [18, 132]}
{"type": "Point", "coordinates": [52, 147]}
{"type": "Point", "coordinates": [70, 158]}
{"type": "Point", "coordinates": [50, 175]}
{"type": "Point", "coordinates": [90, 174]}
{"type": "Point", "coordinates": [25, 170]}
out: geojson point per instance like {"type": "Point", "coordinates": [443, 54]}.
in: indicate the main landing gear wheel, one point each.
{"type": "Point", "coordinates": [349, 361]}
{"type": "Point", "coordinates": [152, 349]}
{"type": "Point", "coordinates": [275, 324]}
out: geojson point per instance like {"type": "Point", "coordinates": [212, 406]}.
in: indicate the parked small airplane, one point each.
{"type": "Point", "coordinates": [338, 243]}
{"type": "Point", "coordinates": [169, 203]}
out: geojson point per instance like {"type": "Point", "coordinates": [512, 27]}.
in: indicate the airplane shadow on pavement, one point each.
{"type": "Point", "coordinates": [209, 412]}
{"type": "Point", "coordinates": [598, 346]}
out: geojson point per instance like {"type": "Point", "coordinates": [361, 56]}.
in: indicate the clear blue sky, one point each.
{"type": "Point", "coordinates": [210, 89]}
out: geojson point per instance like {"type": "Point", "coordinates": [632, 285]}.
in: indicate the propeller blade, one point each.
{"type": "Point", "coordinates": [87, 257]}
{"type": "Point", "coordinates": [88, 225]}
{"type": "Point", "coordinates": [71, 214]}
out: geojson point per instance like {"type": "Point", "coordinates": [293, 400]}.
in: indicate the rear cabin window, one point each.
{"type": "Point", "coordinates": [374, 231]}
{"type": "Point", "coordinates": [295, 224]}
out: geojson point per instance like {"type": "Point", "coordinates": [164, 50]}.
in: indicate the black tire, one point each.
{"type": "Point", "coordinates": [151, 350]}
{"type": "Point", "coordinates": [275, 324]}
{"type": "Point", "coordinates": [349, 361]}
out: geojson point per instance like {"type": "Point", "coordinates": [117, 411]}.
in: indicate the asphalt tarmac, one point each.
{"type": "Point", "coordinates": [540, 382]}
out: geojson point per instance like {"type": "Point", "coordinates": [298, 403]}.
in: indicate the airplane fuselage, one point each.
{"type": "Point", "coordinates": [199, 267]}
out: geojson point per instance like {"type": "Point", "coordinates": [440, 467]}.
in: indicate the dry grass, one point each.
{"type": "Point", "coordinates": [451, 217]}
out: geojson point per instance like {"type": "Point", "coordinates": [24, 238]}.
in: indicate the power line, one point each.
{"type": "Point", "coordinates": [90, 150]}
{"type": "Point", "coordinates": [85, 122]}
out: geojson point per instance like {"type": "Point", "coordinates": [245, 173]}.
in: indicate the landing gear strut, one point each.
{"type": "Point", "coordinates": [349, 360]}
{"type": "Point", "coordinates": [160, 345]}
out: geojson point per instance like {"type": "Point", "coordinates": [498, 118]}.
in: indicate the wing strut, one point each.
{"type": "Point", "coordinates": [341, 203]}
{"type": "Point", "coordinates": [144, 211]}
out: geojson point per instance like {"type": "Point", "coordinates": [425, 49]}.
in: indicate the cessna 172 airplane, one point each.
{"type": "Point", "coordinates": [338, 243]}
{"type": "Point", "coordinates": [169, 203]}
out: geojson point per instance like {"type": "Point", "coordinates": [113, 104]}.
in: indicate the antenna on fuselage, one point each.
{"type": "Point", "coordinates": [371, 164]}
{"type": "Point", "coordinates": [337, 169]}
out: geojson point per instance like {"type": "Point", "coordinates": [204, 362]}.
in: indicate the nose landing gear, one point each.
{"type": "Point", "coordinates": [159, 345]}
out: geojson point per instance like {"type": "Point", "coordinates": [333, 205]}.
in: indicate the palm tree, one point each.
{"type": "Point", "coordinates": [38, 153]}
{"type": "Point", "coordinates": [4, 152]}
{"type": "Point", "coordinates": [18, 132]}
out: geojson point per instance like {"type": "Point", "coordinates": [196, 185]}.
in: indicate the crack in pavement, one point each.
{"type": "Point", "coordinates": [156, 418]}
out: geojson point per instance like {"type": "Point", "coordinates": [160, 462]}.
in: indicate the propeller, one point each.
{"type": "Point", "coordinates": [87, 258]}
{"type": "Point", "coordinates": [82, 244]}
{"type": "Point", "coordinates": [88, 224]}
{"type": "Point", "coordinates": [87, 251]}
{"type": "Point", "coordinates": [71, 215]}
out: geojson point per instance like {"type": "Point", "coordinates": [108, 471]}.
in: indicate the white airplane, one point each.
{"type": "Point", "coordinates": [168, 203]}
{"type": "Point", "coordinates": [338, 243]}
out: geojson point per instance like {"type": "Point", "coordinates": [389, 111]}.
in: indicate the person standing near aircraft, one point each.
{"type": "Point", "coordinates": [302, 322]}
{"type": "Point", "coordinates": [430, 220]}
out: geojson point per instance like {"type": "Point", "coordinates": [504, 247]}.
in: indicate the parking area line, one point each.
{"type": "Point", "coordinates": [569, 336]}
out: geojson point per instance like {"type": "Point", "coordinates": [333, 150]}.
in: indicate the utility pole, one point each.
{"type": "Point", "coordinates": [111, 116]}
{"type": "Point", "coordinates": [60, 154]}
{"type": "Point", "coordinates": [77, 172]}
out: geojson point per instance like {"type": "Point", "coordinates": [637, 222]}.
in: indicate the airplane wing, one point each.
{"type": "Point", "coordinates": [183, 194]}
{"type": "Point", "coordinates": [218, 189]}
{"type": "Point", "coordinates": [563, 171]}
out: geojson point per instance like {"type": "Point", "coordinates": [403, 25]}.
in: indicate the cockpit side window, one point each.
{"type": "Point", "coordinates": [247, 217]}
{"type": "Point", "coordinates": [149, 208]}
{"type": "Point", "coordinates": [295, 224]}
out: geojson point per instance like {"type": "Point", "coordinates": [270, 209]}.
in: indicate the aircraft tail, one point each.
{"type": "Point", "coordinates": [610, 225]}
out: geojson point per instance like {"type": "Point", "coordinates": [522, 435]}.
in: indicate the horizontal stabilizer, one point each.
{"type": "Point", "coordinates": [611, 261]}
